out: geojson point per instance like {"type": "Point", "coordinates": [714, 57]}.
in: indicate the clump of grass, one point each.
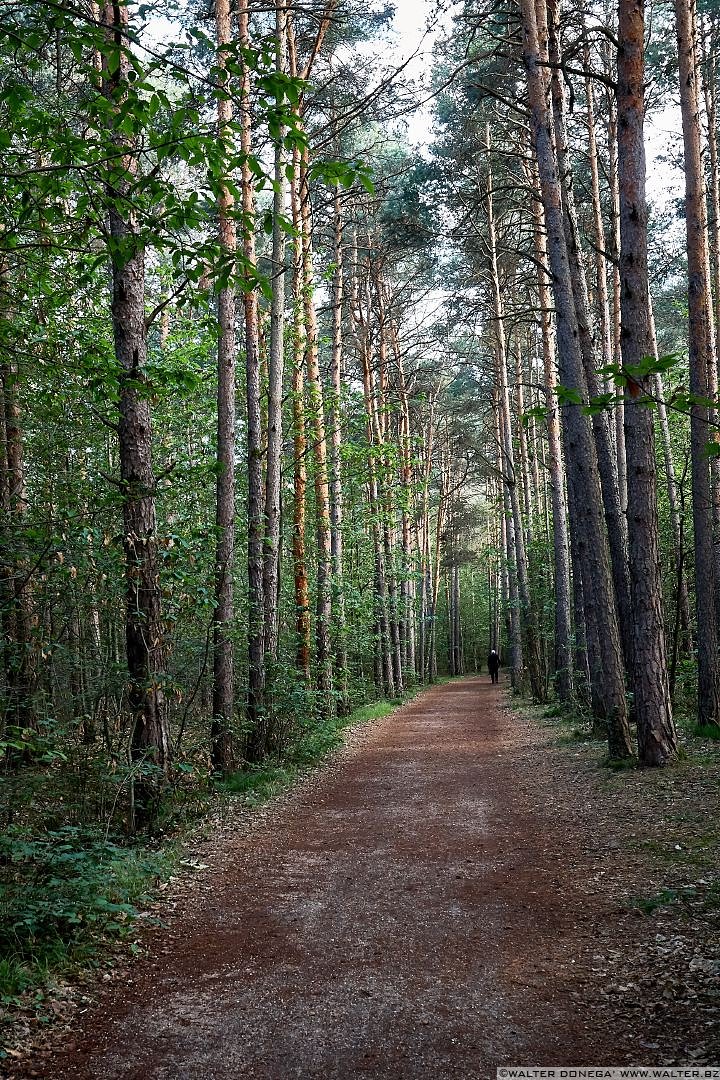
{"type": "Point", "coordinates": [625, 764]}
{"type": "Point", "coordinates": [554, 711]}
{"type": "Point", "coordinates": [257, 785]}
{"type": "Point", "coordinates": [706, 731]}
{"type": "Point", "coordinates": [689, 898]}
{"type": "Point", "coordinates": [575, 735]}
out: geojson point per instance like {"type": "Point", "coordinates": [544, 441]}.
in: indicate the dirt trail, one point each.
{"type": "Point", "coordinates": [416, 911]}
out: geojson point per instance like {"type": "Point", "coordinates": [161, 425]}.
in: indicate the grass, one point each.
{"type": "Point", "coordinates": [688, 899]}
{"type": "Point", "coordinates": [706, 731]}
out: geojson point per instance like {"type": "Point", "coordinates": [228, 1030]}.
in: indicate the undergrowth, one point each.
{"type": "Point", "coordinates": [63, 899]}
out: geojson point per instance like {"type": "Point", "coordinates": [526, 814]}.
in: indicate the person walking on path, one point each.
{"type": "Point", "coordinates": [493, 663]}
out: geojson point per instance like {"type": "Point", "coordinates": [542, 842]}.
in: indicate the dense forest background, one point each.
{"type": "Point", "coordinates": [297, 416]}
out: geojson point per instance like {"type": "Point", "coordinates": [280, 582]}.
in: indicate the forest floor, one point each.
{"type": "Point", "coordinates": [463, 887]}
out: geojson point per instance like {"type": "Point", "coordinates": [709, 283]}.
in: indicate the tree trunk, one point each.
{"type": "Point", "coordinates": [563, 673]}
{"type": "Point", "coordinates": [682, 601]}
{"type": "Point", "coordinates": [336, 490]}
{"type": "Point", "coordinates": [657, 740]}
{"type": "Point", "coordinates": [607, 464]}
{"type": "Point", "coordinates": [302, 593]}
{"type": "Point", "coordinates": [702, 367]}
{"type": "Point", "coordinates": [320, 471]}
{"type": "Point", "coordinates": [223, 690]}
{"type": "Point", "coordinates": [615, 253]}
{"type": "Point", "coordinates": [144, 632]}
{"type": "Point", "coordinates": [256, 718]}
{"type": "Point", "coordinates": [276, 365]}
{"type": "Point", "coordinates": [531, 652]}
{"type": "Point", "coordinates": [580, 454]}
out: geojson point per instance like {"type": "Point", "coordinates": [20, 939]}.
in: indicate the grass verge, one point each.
{"type": "Point", "coordinates": [257, 784]}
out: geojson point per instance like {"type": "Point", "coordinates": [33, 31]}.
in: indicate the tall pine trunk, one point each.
{"type": "Point", "coordinates": [702, 367]}
{"type": "Point", "coordinates": [255, 712]}
{"type": "Point", "coordinates": [580, 454]}
{"type": "Point", "coordinates": [223, 692]}
{"type": "Point", "coordinates": [144, 632]}
{"type": "Point", "coordinates": [657, 740]}
{"type": "Point", "coordinates": [276, 367]}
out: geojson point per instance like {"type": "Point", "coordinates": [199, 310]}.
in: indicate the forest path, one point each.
{"type": "Point", "coordinates": [417, 910]}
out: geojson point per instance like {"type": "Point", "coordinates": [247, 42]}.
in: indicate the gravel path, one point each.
{"type": "Point", "coordinates": [416, 910]}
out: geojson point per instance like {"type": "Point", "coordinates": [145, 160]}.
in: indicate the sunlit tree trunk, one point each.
{"type": "Point", "coordinates": [380, 411]}
{"type": "Point", "coordinates": [316, 407]}
{"type": "Point", "coordinates": [336, 491]}
{"type": "Point", "coordinates": [531, 654]}
{"type": "Point", "coordinates": [606, 458]}
{"type": "Point", "coordinates": [509, 554]}
{"type": "Point", "coordinates": [256, 717]}
{"type": "Point", "coordinates": [563, 674]}
{"type": "Point", "coordinates": [408, 593]}
{"type": "Point", "coordinates": [300, 574]}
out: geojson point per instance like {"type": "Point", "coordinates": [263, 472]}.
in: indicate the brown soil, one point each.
{"type": "Point", "coordinates": [430, 906]}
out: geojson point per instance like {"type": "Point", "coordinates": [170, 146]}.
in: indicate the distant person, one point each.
{"type": "Point", "coordinates": [493, 663]}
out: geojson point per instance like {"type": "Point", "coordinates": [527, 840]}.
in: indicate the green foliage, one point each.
{"type": "Point", "coordinates": [64, 896]}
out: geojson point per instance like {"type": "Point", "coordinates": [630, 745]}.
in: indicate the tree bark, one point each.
{"type": "Point", "coordinates": [144, 632]}
{"type": "Point", "coordinates": [256, 746]}
{"type": "Point", "coordinates": [702, 367]}
{"type": "Point", "coordinates": [316, 406]}
{"type": "Point", "coordinates": [580, 454]}
{"type": "Point", "coordinates": [563, 673]}
{"type": "Point", "coordinates": [276, 366]}
{"type": "Point", "coordinates": [607, 464]}
{"type": "Point", "coordinates": [223, 688]}
{"type": "Point", "coordinates": [657, 739]}
{"type": "Point", "coordinates": [336, 488]}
